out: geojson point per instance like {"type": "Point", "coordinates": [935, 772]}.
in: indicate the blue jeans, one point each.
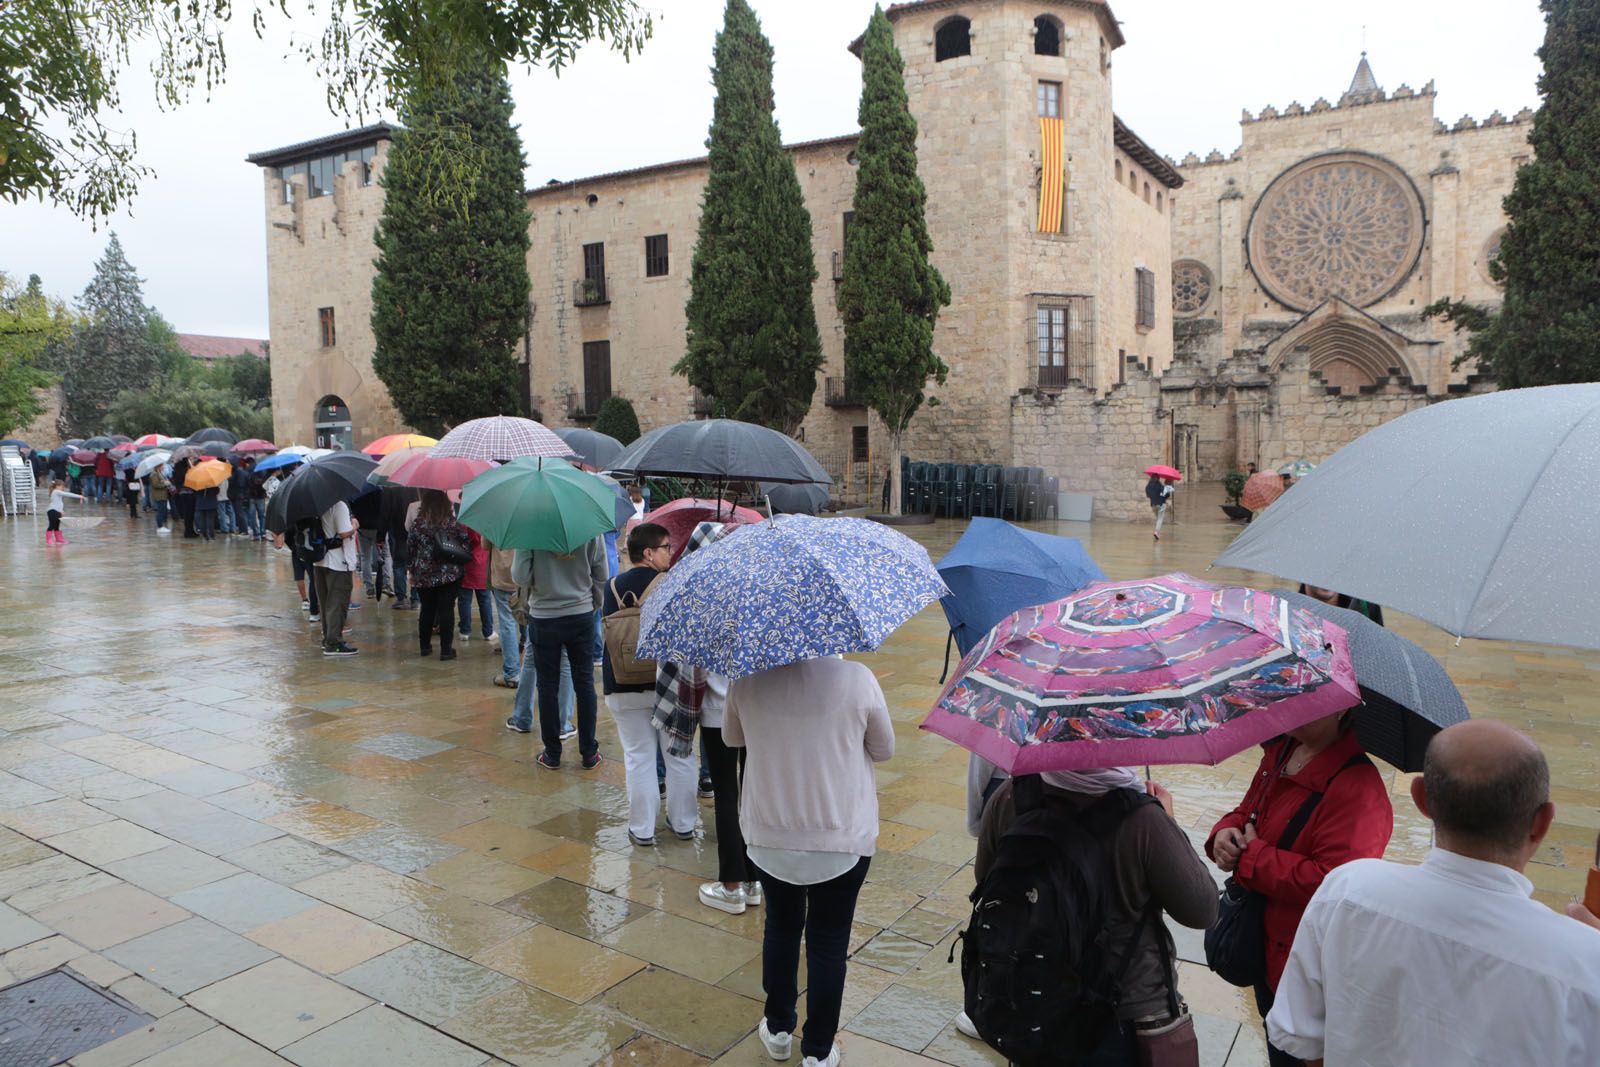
{"type": "Point", "coordinates": [505, 624]}
{"type": "Point", "coordinates": [254, 520]}
{"type": "Point", "coordinates": [599, 635]}
{"type": "Point", "coordinates": [485, 611]}
{"type": "Point", "coordinates": [528, 688]}
{"type": "Point", "coordinates": [161, 514]}
{"type": "Point", "coordinates": [225, 516]}
{"type": "Point", "coordinates": [574, 635]}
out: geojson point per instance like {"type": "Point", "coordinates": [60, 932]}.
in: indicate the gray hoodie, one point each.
{"type": "Point", "coordinates": [560, 585]}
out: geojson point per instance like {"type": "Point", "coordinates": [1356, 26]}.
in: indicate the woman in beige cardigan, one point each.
{"type": "Point", "coordinates": [809, 812]}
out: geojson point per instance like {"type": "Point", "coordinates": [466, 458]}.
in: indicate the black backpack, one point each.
{"type": "Point", "coordinates": [1041, 981]}
{"type": "Point", "coordinates": [309, 543]}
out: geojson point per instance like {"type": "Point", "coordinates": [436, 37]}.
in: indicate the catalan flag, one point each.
{"type": "Point", "coordinates": [1052, 179]}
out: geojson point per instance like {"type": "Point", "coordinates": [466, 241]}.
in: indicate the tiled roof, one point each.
{"type": "Point", "coordinates": [1143, 154]}
{"type": "Point", "coordinates": [208, 346]}
{"type": "Point", "coordinates": [333, 142]}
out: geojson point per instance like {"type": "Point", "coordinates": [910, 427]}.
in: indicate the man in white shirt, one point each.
{"type": "Point", "coordinates": [333, 576]}
{"type": "Point", "coordinates": [1451, 962]}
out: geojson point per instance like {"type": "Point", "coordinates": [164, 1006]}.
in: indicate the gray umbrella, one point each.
{"type": "Point", "coordinates": [1475, 514]}
{"type": "Point", "coordinates": [213, 433]}
{"type": "Point", "coordinates": [721, 450]}
{"type": "Point", "coordinates": [1406, 696]}
{"type": "Point", "coordinates": [795, 499]}
{"type": "Point", "coordinates": [593, 448]}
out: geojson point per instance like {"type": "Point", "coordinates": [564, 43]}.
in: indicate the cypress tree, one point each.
{"type": "Point", "coordinates": [1547, 331]}
{"type": "Point", "coordinates": [112, 351]}
{"type": "Point", "coordinates": [752, 341]}
{"type": "Point", "coordinates": [450, 296]}
{"type": "Point", "coordinates": [891, 294]}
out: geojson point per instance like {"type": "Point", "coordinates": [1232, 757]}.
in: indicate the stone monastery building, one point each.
{"type": "Point", "coordinates": [1111, 307]}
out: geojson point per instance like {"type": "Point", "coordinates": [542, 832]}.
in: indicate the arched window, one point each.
{"type": "Point", "coordinates": [1147, 192]}
{"type": "Point", "coordinates": [952, 38]}
{"type": "Point", "coordinates": [331, 424]}
{"type": "Point", "coordinates": [1119, 172]}
{"type": "Point", "coordinates": [1158, 202]}
{"type": "Point", "coordinates": [1133, 181]}
{"type": "Point", "coordinates": [1046, 36]}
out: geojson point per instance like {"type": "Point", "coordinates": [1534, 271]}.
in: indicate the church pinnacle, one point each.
{"type": "Point", "coordinates": [1363, 87]}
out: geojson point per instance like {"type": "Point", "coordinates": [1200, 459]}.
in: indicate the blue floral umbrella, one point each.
{"type": "Point", "coordinates": [792, 589]}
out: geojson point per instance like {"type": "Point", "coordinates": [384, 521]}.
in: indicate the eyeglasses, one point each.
{"type": "Point", "coordinates": [663, 545]}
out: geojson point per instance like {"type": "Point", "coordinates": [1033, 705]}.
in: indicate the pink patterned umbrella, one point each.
{"type": "Point", "coordinates": [681, 516]}
{"type": "Point", "coordinates": [500, 437]}
{"type": "Point", "coordinates": [438, 472]}
{"type": "Point", "coordinates": [1157, 670]}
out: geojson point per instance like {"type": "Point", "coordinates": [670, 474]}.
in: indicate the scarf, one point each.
{"type": "Point", "coordinates": [1095, 782]}
{"type": "Point", "coordinates": [680, 688]}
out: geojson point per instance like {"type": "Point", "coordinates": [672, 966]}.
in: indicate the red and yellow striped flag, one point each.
{"type": "Point", "coordinates": [1052, 179]}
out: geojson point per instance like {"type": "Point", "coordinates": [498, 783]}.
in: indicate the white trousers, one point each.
{"type": "Point", "coordinates": [640, 742]}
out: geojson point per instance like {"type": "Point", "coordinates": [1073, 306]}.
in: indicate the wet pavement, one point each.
{"type": "Point", "coordinates": [286, 858]}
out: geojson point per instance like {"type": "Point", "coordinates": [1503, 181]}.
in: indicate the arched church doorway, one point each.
{"type": "Point", "coordinates": [1350, 356]}
{"type": "Point", "coordinates": [332, 425]}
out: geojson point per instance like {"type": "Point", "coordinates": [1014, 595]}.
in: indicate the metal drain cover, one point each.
{"type": "Point", "coordinates": [51, 1018]}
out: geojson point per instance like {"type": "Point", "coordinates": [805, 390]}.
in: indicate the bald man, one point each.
{"type": "Point", "coordinates": [1450, 962]}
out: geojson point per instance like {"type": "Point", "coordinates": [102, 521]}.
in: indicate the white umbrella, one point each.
{"type": "Point", "coordinates": [150, 462]}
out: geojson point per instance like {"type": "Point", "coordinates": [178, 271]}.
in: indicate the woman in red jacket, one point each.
{"type": "Point", "coordinates": [1352, 821]}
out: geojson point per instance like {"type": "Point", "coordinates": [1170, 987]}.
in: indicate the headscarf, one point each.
{"type": "Point", "coordinates": [1094, 781]}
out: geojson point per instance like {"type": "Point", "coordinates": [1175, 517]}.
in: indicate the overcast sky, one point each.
{"type": "Point", "coordinates": [195, 231]}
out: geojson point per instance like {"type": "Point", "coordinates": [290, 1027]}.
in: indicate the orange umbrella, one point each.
{"type": "Point", "coordinates": [1261, 489]}
{"type": "Point", "coordinates": [207, 474]}
{"type": "Point", "coordinates": [395, 441]}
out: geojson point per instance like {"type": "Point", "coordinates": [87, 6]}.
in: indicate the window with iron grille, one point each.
{"type": "Point", "coordinates": [596, 375]}
{"type": "Point", "coordinates": [1064, 341]}
{"type": "Point", "coordinates": [859, 451]}
{"type": "Point", "coordinates": [1145, 286]}
{"type": "Point", "coordinates": [655, 256]}
{"type": "Point", "coordinates": [325, 325]}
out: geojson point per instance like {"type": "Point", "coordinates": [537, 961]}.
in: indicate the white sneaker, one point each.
{"type": "Point", "coordinates": [716, 895]}
{"type": "Point", "coordinates": [164, 531]}
{"type": "Point", "coordinates": [305, 605]}
{"type": "Point", "coordinates": [494, 641]}
{"type": "Point", "coordinates": [779, 1046]}
{"type": "Point", "coordinates": [832, 1059]}
{"type": "Point", "coordinates": [965, 1028]}
{"type": "Point", "coordinates": [464, 638]}
{"type": "Point", "coordinates": [752, 894]}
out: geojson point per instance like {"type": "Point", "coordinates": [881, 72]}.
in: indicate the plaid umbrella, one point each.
{"type": "Point", "coordinates": [1261, 489]}
{"type": "Point", "coordinates": [500, 437]}
{"type": "Point", "coordinates": [1156, 670]}
{"type": "Point", "coordinates": [786, 590]}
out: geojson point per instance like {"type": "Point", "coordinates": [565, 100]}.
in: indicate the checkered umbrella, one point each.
{"type": "Point", "coordinates": [500, 437]}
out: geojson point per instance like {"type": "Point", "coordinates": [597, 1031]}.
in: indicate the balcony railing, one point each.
{"type": "Point", "coordinates": [585, 405]}
{"type": "Point", "coordinates": [838, 265]}
{"type": "Point", "coordinates": [590, 292]}
{"type": "Point", "coordinates": [836, 393]}
{"type": "Point", "coordinates": [700, 405]}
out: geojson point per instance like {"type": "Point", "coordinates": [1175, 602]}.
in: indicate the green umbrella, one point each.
{"type": "Point", "coordinates": [538, 502]}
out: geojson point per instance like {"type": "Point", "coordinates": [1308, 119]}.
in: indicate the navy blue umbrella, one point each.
{"type": "Point", "coordinates": [997, 568]}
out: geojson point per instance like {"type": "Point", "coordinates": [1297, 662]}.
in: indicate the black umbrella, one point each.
{"type": "Point", "coordinates": [212, 433]}
{"type": "Point", "coordinates": [75, 442]}
{"type": "Point", "coordinates": [216, 449]}
{"type": "Point", "coordinates": [598, 450]}
{"type": "Point", "coordinates": [60, 455]}
{"type": "Point", "coordinates": [317, 486]}
{"type": "Point", "coordinates": [99, 444]}
{"type": "Point", "coordinates": [795, 499]}
{"type": "Point", "coordinates": [1406, 695]}
{"type": "Point", "coordinates": [121, 438]}
{"type": "Point", "coordinates": [721, 450]}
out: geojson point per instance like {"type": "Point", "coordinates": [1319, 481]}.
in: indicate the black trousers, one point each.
{"type": "Point", "coordinates": [55, 521]}
{"type": "Point", "coordinates": [438, 609]}
{"type": "Point", "coordinates": [727, 768]}
{"type": "Point", "coordinates": [575, 635]}
{"type": "Point", "coordinates": [1276, 1057]}
{"type": "Point", "coordinates": [186, 513]}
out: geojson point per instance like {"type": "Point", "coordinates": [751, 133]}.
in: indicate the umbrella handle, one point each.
{"type": "Point", "coordinates": [948, 641]}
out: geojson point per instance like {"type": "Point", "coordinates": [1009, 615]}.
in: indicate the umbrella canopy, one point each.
{"type": "Point", "coordinates": [278, 461]}
{"type": "Point", "coordinates": [120, 438]}
{"type": "Point", "coordinates": [316, 487]}
{"type": "Point", "coordinates": [1261, 489]}
{"type": "Point", "coordinates": [83, 457]}
{"type": "Point", "coordinates": [215, 449]}
{"type": "Point", "coordinates": [435, 472]}
{"type": "Point", "coordinates": [99, 444]}
{"type": "Point", "coordinates": [62, 453]}
{"type": "Point", "coordinates": [207, 474]}
{"type": "Point", "coordinates": [131, 461]}
{"type": "Point", "coordinates": [500, 437]}
{"type": "Point", "coordinates": [595, 449]}
{"type": "Point", "coordinates": [681, 516]}
{"type": "Point", "coordinates": [187, 451]}
{"type": "Point", "coordinates": [785, 590]}
{"type": "Point", "coordinates": [296, 450]}
{"type": "Point", "coordinates": [795, 499]}
{"type": "Point", "coordinates": [1156, 670]}
{"type": "Point", "coordinates": [149, 461]}
{"type": "Point", "coordinates": [1461, 514]}
{"type": "Point", "coordinates": [1161, 470]}
{"type": "Point", "coordinates": [155, 439]}
{"type": "Point", "coordinates": [394, 442]}
{"type": "Point", "coordinates": [1406, 694]}
{"type": "Point", "coordinates": [13, 442]}
{"type": "Point", "coordinates": [997, 568]}
{"type": "Point", "coordinates": [213, 433]}
{"type": "Point", "coordinates": [540, 503]}
{"type": "Point", "coordinates": [621, 502]}
{"type": "Point", "coordinates": [254, 445]}
{"type": "Point", "coordinates": [393, 462]}
{"type": "Point", "coordinates": [721, 450]}
{"type": "Point", "coordinates": [1298, 468]}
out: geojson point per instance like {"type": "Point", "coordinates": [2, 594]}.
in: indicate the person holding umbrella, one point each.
{"type": "Point", "coordinates": [1158, 490]}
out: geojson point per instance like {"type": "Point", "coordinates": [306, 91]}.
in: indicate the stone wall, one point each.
{"type": "Point", "coordinates": [44, 431]}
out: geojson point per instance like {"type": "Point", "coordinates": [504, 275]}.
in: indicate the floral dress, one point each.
{"type": "Point", "coordinates": [428, 568]}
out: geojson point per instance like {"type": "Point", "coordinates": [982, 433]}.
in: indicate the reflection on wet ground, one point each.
{"type": "Point", "coordinates": [288, 858]}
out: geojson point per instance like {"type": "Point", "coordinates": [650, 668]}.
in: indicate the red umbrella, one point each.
{"type": "Point", "coordinates": [438, 472]}
{"type": "Point", "coordinates": [1163, 471]}
{"type": "Point", "coordinates": [84, 458]}
{"type": "Point", "coordinates": [1261, 489]}
{"type": "Point", "coordinates": [680, 517]}
{"type": "Point", "coordinates": [254, 444]}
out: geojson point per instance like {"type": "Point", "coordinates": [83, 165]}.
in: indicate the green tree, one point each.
{"type": "Point", "coordinates": [61, 60]}
{"type": "Point", "coordinates": [247, 376]}
{"type": "Point", "coordinates": [118, 347]}
{"type": "Point", "coordinates": [183, 407]}
{"type": "Point", "coordinates": [891, 294]}
{"type": "Point", "coordinates": [1547, 330]}
{"type": "Point", "coordinates": [30, 322]}
{"type": "Point", "coordinates": [617, 418]}
{"type": "Point", "coordinates": [450, 296]}
{"type": "Point", "coordinates": [753, 346]}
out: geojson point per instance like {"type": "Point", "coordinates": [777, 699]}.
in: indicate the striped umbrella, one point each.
{"type": "Point", "coordinates": [394, 442]}
{"type": "Point", "coordinates": [500, 437]}
{"type": "Point", "coordinates": [393, 462]}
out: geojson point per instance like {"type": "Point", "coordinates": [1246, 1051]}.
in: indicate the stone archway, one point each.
{"type": "Point", "coordinates": [1347, 347]}
{"type": "Point", "coordinates": [333, 425]}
